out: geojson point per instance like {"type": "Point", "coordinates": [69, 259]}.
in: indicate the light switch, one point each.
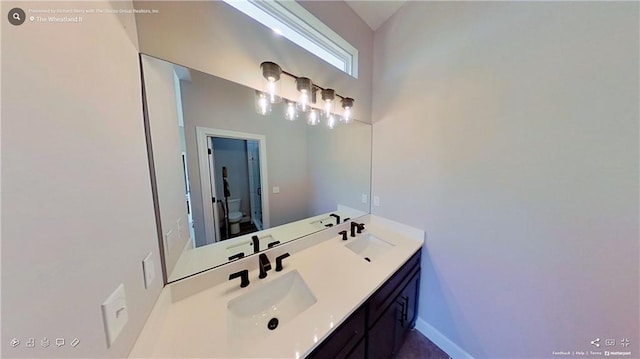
{"type": "Point", "coordinates": [276, 189]}
{"type": "Point", "coordinates": [364, 198]}
{"type": "Point", "coordinates": [115, 314]}
{"type": "Point", "coordinates": [376, 201]}
{"type": "Point", "coordinates": [148, 270]}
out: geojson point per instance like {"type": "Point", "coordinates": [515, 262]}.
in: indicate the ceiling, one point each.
{"type": "Point", "coordinates": [375, 12]}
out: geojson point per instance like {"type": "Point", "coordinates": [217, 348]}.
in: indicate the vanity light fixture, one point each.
{"type": "Point", "coordinates": [328, 95]}
{"type": "Point", "coordinates": [305, 87]}
{"type": "Point", "coordinates": [272, 74]}
{"type": "Point", "coordinates": [347, 105]}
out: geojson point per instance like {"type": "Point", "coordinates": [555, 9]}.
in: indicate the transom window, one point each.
{"type": "Point", "coordinates": [292, 21]}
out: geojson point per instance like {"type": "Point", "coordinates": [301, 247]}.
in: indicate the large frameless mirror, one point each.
{"type": "Point", "coordinates": [229, 182]}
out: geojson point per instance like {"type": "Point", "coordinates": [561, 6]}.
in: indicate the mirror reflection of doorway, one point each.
{"type": "Point", "coordinates": [210, 163]}
{"type": "Point", "coordinates": [236, 166]}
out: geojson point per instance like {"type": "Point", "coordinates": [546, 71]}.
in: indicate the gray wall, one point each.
{"type": "Point", "coordinates": [509, 132]}
{"type": "Point", "coordinates": [77, 212]}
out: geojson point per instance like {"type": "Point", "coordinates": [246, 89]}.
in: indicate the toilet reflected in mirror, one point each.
{"type": "Point", "coordinates": [235, 216]}
{"type": "Point", "coordinates": [235, 183]}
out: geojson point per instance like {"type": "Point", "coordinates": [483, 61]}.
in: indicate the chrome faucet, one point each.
{"type": "Point", "coordinates": [264, 265]}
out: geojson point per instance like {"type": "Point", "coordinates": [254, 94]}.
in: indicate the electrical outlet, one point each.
{"type": "Point", "coordinates": [115, 314]}
{"type": "Point", "coordinates": [365, 198]}
{"type": "Point", "coordinates": [376, 201]}
{"type": "Point", "coordinates": [276, 189]}
{"type": "Point", "coordinates": [148, 270]}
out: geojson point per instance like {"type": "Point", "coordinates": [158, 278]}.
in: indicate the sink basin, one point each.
{"type": "Point", "coordinates": [269, 306]}
{"type": "Point", "coordinates": [369, 247]}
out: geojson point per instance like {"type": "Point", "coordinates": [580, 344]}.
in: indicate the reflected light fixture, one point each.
{"type": "Point", "coordinates": [263, 106]}
{"type": "Point", "coordinates": [331, 121]}
{"type": "Point", "coordinates": [306, 103]}
{"type": "Point", "coordinates": [290, 111]}
{"type": "Point", "coordinates": [313, 117]}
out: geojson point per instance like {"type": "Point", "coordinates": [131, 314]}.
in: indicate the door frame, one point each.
{"type": "Point", "coordinates": [203, 134]}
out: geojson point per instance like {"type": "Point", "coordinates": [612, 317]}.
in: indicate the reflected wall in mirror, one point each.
{"type": "Point", "coordinates": [229, 182]}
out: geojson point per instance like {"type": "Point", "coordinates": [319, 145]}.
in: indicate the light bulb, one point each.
{"type": "Point", "coordinates": [347, 105]}
{"type": "Point", "coordinates": [271, 86]}
{"type": "Point", "coordinates": [305, 86]}
{"type": "Point", "coordinates": [271, 73]}
{"type": "Point", "coordinates": [328, 106]}
{"type": "Point", "coordinates": [327, 97]}
{"type": "Point", "coordinates": [304, 101]}
{"type": "Point", "coordinates": [313, 117]}
{"type": "Point", "coordinates": [290, 111]}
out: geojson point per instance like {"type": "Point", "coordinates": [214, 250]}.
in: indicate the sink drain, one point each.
{"type": "Point", "coordinates": [273, 324]}
{"type": "Point", "coordinates": [367, 259]}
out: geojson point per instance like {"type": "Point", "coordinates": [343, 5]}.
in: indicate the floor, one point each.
{"type": "Point", "coordinates": [245, 228]}
{"type": "Point", "coordinates": [417, 346]}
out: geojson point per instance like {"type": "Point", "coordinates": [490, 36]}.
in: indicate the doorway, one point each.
{"type": "Point", "coordinates": [233, 173]}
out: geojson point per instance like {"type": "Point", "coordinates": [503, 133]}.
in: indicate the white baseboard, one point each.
{"type": "Point", "coordinates": [439, 339]}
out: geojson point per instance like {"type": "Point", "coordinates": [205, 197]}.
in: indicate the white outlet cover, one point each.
{"type": "Point", "coordinates": [276, 189]}
{"type": "Point", "coordinates": [376, 201]}
{"type": "Point", "coordinates": [148, 270]}
{"type": "Point", "coordinates": [364, 198]}
{"type": "Point", "coordinates": [115, 314]}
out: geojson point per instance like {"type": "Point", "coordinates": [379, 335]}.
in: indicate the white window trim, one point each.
{"type": "Point", "coordinates": [297, 24]}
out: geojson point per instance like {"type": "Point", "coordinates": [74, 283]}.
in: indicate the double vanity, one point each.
{"type": "Point", "coordinates": [311, 275]}
{"type": "Point", "coordinates": [329, 298]}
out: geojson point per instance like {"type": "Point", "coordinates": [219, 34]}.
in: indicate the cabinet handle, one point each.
{"type": "Point", "coordinates": [404, 312]}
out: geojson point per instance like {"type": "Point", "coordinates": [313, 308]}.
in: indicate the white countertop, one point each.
{"type": "Point", "coordinates": [190, 318]}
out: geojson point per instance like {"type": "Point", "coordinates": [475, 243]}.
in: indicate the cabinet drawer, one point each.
{"type": "Point", "coordinates": [387, 294]}
{"type": "Point", "coordinates": [341, 343]}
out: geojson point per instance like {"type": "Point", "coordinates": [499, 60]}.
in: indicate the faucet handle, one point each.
{"type": "Point", "coordinates": [237, 256]}
{"type": "Point", "coordinates": [264, 265]}
{"type": "Point", "coordinates": [344, 235]}
{"type": "Point", "coordinates": [244, 276]}
{"type": "Point", "coordinates": [360, 227]}
{"type": "Point", "coordinates": [279, 261]}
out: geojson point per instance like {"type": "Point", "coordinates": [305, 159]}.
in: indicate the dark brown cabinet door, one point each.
{"type": "Point", "coordinates": [382, 335]}
{"type": "Point", "coordinates": [341, 343]}
{"type": "Point", "coordinates": [388, 333]}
